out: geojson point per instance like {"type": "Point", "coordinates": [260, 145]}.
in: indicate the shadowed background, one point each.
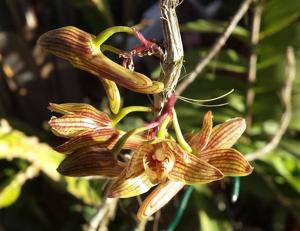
{"type": "Point", "coordinates": [32, 194]}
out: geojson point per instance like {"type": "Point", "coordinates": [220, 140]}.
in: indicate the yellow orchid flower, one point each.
{"type": "Point", "coordinates": [159, 161]}
{"type": "Point", "coordinates": [211, 146]}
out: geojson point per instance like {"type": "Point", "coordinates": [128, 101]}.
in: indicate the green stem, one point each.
{"type": "Point", "coordinates": [119, 145]}
{"type": "Point", "coordinates": [163, 127]}
{"type": "Point", "coordinates": [126, 110]}
{"type": "Point", "coordinates": [182, 207]}
{"type": "Point", "coordinates": [104, 35]}
{"type": "Point", "coordinates": [110, 48]}
{"type": "Point", "coordinates": [235, 188]}
{"type": "Point", "coordinates": [179, 135]}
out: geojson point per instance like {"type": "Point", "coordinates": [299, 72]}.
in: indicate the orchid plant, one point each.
{"type": "Point", "coordinates": [95, 145]}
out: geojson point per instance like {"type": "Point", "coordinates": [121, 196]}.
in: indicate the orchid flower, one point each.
{"type": "Point", "coordinates": [211, 147]}
{"type": "Point", "coordinates": [83, 51]}
{"type": "Point", "coordinates": [158, 161]}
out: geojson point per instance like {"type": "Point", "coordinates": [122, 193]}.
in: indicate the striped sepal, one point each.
{"type": "Point", "coordinates": [229, 161]}
{"type": "Point", "coordinates": [90, 161]}
{"type": "Point", "coordinates": [87, 138]}
{"type": "Point", "coordinates": [134, 185]}
{"type": "Point", "coordinates": [71, 125]}
{"type": "Point", "coordinates": [104, 138]}
{"type": "Point", "coordinates": [199, 140]}
{"type": "Point", "coordinates": [82, 109]}
{"type": "Point", "coordinates": [192, 170]}
{"type": "Point", "coordinates": [226, 134]}
{"type": "Point", "coordinates": [158, 198]}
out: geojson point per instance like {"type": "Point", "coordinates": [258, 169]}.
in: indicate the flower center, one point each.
{"type": "Point", "coordinates": [158, 164]}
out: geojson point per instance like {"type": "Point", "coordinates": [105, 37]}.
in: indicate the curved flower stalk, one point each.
{"type": "Point", "coordinates": [86, 126]}
{"type": "Point", "coordinates": [83, 51]}
{"type": "Point", "coordinates": [158, 161]}
{"type": "Point", "coordinates": [211, 146]}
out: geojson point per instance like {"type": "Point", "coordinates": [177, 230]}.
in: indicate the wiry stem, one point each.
{"type": "Point", "coordinates": [105, 213]}
{"type": "Point", "coordinates": [286, 116]}
{"type": "Point", "coordinates": [253, 62]}
{"type": "Point", "coordinates": [215, 48]}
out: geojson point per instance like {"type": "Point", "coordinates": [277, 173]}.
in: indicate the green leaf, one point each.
{"type": "Point", "coordinates": [278, 15]}
{"type": "Point", "coordinates": [208, 223]}
{"type": "Point", "coordinates": [82, 189]}
{"type": "Point", "coordinates": [10, 193]}
{"type": "Point", "coordinates": [291, 145]}
{"type": "Point", "coordinates": [287, 166]}
{"type": "Point", "coordinates": [15, 144]}
{"type": "Point", "coordinates": [206, 26]}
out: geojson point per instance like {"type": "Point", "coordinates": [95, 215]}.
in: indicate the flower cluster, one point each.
{"type": "Point", "coordinates": [157, 159]}
{"type": "Point", "coordinates": [160, 162]}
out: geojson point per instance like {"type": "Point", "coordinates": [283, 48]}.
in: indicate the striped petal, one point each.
{"type": "Point", "coordinates": [158, 198]}
{"type": "Point", "coordinates": [71, 125]}
{"type": "Point", "coordinates": [199, 140]}
{"type": "Point", "coordinates": [82, 109]}
{"type": "Point", "coordinates": [68, 43]}
{"type": "Point", "coordinates": [229, 161]}
{"type": "Point", "coordinates": [226, 134]}
{"type": "Point", "coordinates": [89, 137]}
{"type": "Point", "coordinates": [104, 138]}
{"type": "Point", "coordinates": [90, 161]}
{"type": "Point", "coordinates": [191, 170]}
{"type": "Point", "coordinates": [134, 185]}
{"type": "Point", "coordinates": [77, 47]}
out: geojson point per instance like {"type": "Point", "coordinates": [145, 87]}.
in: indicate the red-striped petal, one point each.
{"type": "Point", "coordinates": [104, 138]}
{"type": "Point", "coordinates": [229, 161]}
{"type": "Point", "coordinates": [90, 161]}
{"type": "Point", "coordinates": [192, 170]}
{"type": "Point", "coordinates": [87, 138]}
{"type": "Point", "coordinates": [71, 125]}
{"type": "Point", "coordinates": [158, 198]}
{"type": "Point", "coordinates": [134, 185]}
{"type": "Point", "coordinates": [199, 140]}
{"type": "Point", "coordinates": [82, 109]}
{"type": "Point", "coordinates": [226, 134]}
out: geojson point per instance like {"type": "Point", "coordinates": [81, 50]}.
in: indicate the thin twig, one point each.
{"type": "Point", "coordinates": [215, 48]}
{"type": "Point", "coordinates": [286, 116]}
{"type": "Point", "coordinates": [104, 214]}
{"type": "Point", "coordinates": [172, 62]}
{"type": "Point", "coordinates": [253, 62]}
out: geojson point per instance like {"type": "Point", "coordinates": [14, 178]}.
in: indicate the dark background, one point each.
{"type": "Point", "coordinates": [30, 79]}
